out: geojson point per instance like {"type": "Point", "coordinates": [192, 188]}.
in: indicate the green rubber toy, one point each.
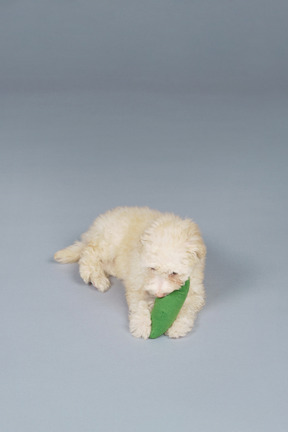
{"type": "Point", "coordinates": [166, 310]}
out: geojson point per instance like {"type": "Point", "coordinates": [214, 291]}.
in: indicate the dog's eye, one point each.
{"type": "Point", "coordinates": [152, 268]}
{"type": "Point", "coordinates": [174, 274]}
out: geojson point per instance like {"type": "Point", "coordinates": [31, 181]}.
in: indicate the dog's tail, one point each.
{"type": "Point", "coordinates": [71, 254]}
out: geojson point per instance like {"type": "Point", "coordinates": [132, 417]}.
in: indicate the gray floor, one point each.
{"type": "Point", "coordinates": [68, 362]}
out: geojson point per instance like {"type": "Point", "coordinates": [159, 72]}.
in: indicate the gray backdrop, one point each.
{"type": "Point", "coordinates": [181, 106]}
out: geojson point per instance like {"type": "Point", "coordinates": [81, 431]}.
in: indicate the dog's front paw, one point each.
{"type": "Point", "coordinates": [98, 278]}
{"type": "Point", "coordinates": [179, 328]}
{"type": "Point", "coordinates": [100, 281]}
{"type": "Point", "coordinates": [85, 272]}
{"type": "Point", "coordinates": [140, 324]}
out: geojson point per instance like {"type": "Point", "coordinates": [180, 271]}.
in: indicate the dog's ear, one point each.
{"type": "Point", "coordinates": [144, 239]}
{"type": "Point", "coordinates": [194, 242]}
{"type": "Point", "coordinates": [196, 248]}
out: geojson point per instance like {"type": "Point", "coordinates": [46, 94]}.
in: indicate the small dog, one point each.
{"type": "Point", "coordinates": [153, 254]}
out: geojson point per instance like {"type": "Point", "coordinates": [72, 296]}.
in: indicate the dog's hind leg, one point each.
{"type": "Point", "coordinates": [71, 254]}
{"type": "Point", "coordinates": [91, 267]}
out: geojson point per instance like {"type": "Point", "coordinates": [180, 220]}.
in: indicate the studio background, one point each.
{"type": "Point", "coordinates": [181, 106]}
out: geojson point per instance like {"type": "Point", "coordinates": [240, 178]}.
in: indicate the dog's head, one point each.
{"type": "Point", "coordinates": [171, 247]}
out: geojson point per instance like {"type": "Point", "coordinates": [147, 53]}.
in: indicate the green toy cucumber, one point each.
{"type": "Point", "coordinates": [166, 310]}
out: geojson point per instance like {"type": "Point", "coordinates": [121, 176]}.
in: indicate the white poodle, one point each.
{"type": "Point", "coordinates": [153, 254]}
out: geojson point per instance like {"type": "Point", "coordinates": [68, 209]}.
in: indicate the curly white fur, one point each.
{"type": "Point", "coordinates": [153, 254]}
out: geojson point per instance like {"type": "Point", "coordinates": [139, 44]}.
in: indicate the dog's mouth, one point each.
{"type": "Point", "coordinates": [156, 295]}
{"type": "Point", "coordinates": [160, 294]}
